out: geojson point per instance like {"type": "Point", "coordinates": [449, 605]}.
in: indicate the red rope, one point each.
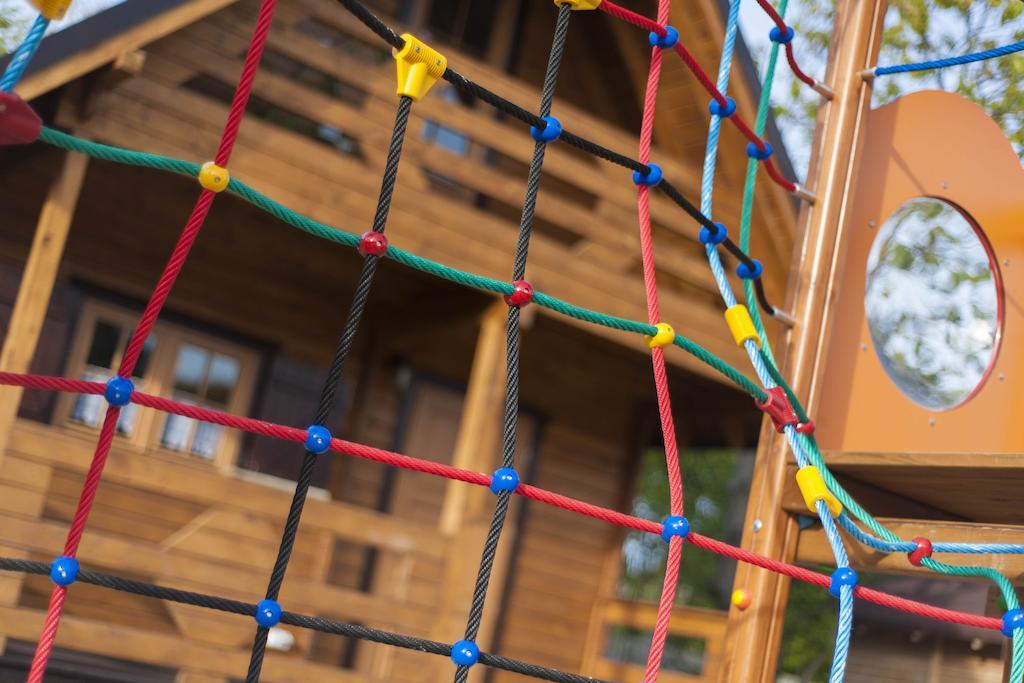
{"type": "Point", "coordinates": [142, 331]}
{"type": "Point", "coordinates": [558, 500]}
{"type": "Point", "coordinates": [705, 80]}
{"type": "Point", "coordinates": [780, 24]}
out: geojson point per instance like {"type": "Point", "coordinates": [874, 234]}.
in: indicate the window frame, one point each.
{"type": "Point", "coordinates": [159, 381]}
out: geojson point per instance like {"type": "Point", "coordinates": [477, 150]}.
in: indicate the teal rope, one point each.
{"type": "Point", "coordinates": [306, 224]}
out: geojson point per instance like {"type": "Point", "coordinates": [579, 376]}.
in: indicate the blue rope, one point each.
{"type": "Point", "coordinates": [951, 61]}
{"type": "Point", "coordinates": [939, 547]}
{"type": "Point", "coordinates": [23, 55]}
{"type": "Point", "coordinates": [845, 622]}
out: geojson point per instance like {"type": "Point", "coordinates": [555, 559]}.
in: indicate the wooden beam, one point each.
{"type": "Point", "coordinates": [813, 548]}
{"type": "Point", "coordinates": [37, 281]}
{"type": "Point", "coordinates": [754, 635]}
{"type": "Point", "coordinates": [465, 513]}
{"type": "Point", "coordinates": [142, 34]}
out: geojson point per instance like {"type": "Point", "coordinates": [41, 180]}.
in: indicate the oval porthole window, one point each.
{"type": "Point", "coordinates": [933, 303]}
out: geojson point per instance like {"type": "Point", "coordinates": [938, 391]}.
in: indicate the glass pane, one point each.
{"type": "Point", "coordinates": [88, 408]}
{"type": "Point", "coordinates": [104, 344]}
{"type": "Point", "coordinates": [145, 357]}
{"type": "Point", "coordinates": [932, 304]}
{"type": "Point", "coordinates": [206, 441]}
{"type": "Point", "coordinates": [126, 419]}
{"type": "Point", "coordinates": [177, 432]}
{"type": "Point", "coordinates": [190, 369]}
{"type": "Point", "coordinates": [630, 646]}
{"type": "Point", "coordinates": [220, 383]}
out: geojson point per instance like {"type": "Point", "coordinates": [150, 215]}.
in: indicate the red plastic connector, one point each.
{"type": "Point", "coordinates": [19, 125]}
{"type": "Point", "coordinates": [806, 427]}
{"type": "Point", "coordinates": [372, 244]}
{"type": "Point", "coordinates": [522, 294]}
{"type": "Point", "coordinates": [922, 551]}
{"type": "Point", "coordinates": [778, 408]}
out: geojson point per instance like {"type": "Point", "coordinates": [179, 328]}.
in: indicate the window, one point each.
{"type": "Point", "coordinates": [176, 362]}
{"type": "Point", "coordinates": [466, 24]}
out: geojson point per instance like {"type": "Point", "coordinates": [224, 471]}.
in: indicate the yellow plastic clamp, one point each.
{"type": "Point", "coordinates": [419, 67]}
{"type": "Point", "coordinates": [213, 177]}
{"type": "Point", "coordinates": [52, 9]}
{"type": "Point", "coordinates": [813, 488]}
{"type": "Point", "coordinates": [580, 4]}
{"type": "Point", "coordinates": [741, 326]}
{"type": "Point", "coordinates": [663, 337]}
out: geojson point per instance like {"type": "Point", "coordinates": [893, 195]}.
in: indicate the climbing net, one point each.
{"type": "Point", "coordinates": [418, 68]}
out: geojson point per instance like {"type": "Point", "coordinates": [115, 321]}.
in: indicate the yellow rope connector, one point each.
{"type": "Point", "coordinates": [580, 4]}
{"type": "Point", "coordinates": [813, 488]}
{"type": "Point", "coordinates": [741, 326]}
{"type": "Point", "coordinates": [663, 337]}
{"type": "Point", "coordinates": [213, 177]}
{"type": "Point", "coordinates": [52, 9]}
{"type": "Point", "coordinates": [419, 67]}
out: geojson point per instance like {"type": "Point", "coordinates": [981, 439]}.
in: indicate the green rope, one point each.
{"type": "Point", "coordinates": [808, 442]}
{"type": "Point", "coordinates": [317, 229]}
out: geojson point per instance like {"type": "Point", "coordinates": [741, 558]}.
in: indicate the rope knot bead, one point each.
{"type": "Point", "coordinates": [522, 294]}
{"type": "Point", "coordinates": [318, 439]}
{"type": "Point", "coordinates": [844, 576]}
{"type": "Point", "coordinates": [64, 570]}
{"type": "Point", "coordinates": [724, 110]}
{"type": "Point", "coordinates": [777, 36]}
{"type": "Point", "coordinates": [372, 244]}
{"type": "Point", "coordinates": [551, 132]}
{"type": "Point", "coordinates": [666, 41]}
{"type": "Point", "coordinates": [759, 153]}
{"type": "Point", "coordinates": [268, 613]}
{"type": "Point", "coordinates": [741, 599]}
{"type": "Point", "coordinates": [675, 525]}
{"type": "Point", "coordinates": [19, 124]}
{"type": "Point", "coordinates": [119, 391]}
{"type": "Point", "coordinates": [213, 177]}
{"type": "Point", "coordinates": [778, 408]}
{"type": "Point", "coordinates": [1012, 620]}
{"type": "Point", "coordinates": [750, 271]}
{"type": "Point", "coordinates": [922, 551]}
{"type": "Point", "coordinates": [465, 653]}
{"type": "Point", "coordinates": [504, 479]}
{"type": "Point", "coordinates": [717, 237]}
{"type": "Point", "coordinates": [52, 9]}
{"type": "Point", "coordinates": [665, 335]}
{"type": "Point", "coordinates": [651, 178]}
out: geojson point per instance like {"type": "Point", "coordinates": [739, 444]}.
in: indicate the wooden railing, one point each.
{"type": "Point", "coordinates": [179, 522]}
{"type": "Point", "coordinates": [705, 626]}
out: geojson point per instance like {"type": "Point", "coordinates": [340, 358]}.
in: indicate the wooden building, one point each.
{"type": "Point", "coordinates": [250, 325]}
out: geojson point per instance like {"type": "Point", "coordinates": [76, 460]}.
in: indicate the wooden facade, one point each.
{"type": "Point", "coordinates": [250, 325]}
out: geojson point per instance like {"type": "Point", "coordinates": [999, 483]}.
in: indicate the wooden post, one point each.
{"type": "Point", "coordinates": [754, 636]}
{"type": "Point", "coordinates": [466, 511]}
{"type": "Point", "coordinates": [37, 284]}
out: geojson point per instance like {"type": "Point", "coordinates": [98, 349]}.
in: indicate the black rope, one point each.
{"type": "Point", "coordinates": [331, 382]}
{"type": "Point", "coordinates": [152, 590]}
{"type": "Point", "coordinates": [511, 414]}
{"type": "Point", "coordinates": [377, 25]}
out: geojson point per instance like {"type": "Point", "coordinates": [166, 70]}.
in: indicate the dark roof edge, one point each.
{"type": "Point", "coordinates": [746, 62]}
{"type": "Point", "coordinates": [93, 31]}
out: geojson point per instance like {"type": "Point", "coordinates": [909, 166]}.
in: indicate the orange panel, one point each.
{"type": "Point", "coordinates": [940, 145]}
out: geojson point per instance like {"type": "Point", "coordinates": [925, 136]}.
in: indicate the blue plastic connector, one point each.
{"type": "Point", "coordinates": [776, 35]}
{"type": "Point", "coordinates": [504, 479]}
{"type": "Point", "coordinates": [465, 653]}
{"type": "Point", "coordinates": [268, 613]}
{"type": "Point", "coordinates": [844, 576]}
{"type": "Point", "coordinates": [318, 439]}
{"type": "Point", "coordinates": [652, 178]}
{"type": "Point", "coordinates": [64, 570]}
{"type": "Point", "coordinates": [1012, 620]}
{"type": "Point", "coordinates": [754, 153]}
{"type": "Point", "coordinates": [750, 273]}
{"type": "Point", "coordinates": [726, 110]}
{"type": "Point", "coordinates": [708, 237]}
{"type": "Point", "coordinates": [666, 41]}
{"type": "Point", "coordinates": [119, 391]}
{"type": "Point", "coordinates": [674, 526]}
{"type": "Point", "coordinates": [550, 133]}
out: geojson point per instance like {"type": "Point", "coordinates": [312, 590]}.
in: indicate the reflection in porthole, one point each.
{"type": "Point", "coordinates": [933, 303]}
